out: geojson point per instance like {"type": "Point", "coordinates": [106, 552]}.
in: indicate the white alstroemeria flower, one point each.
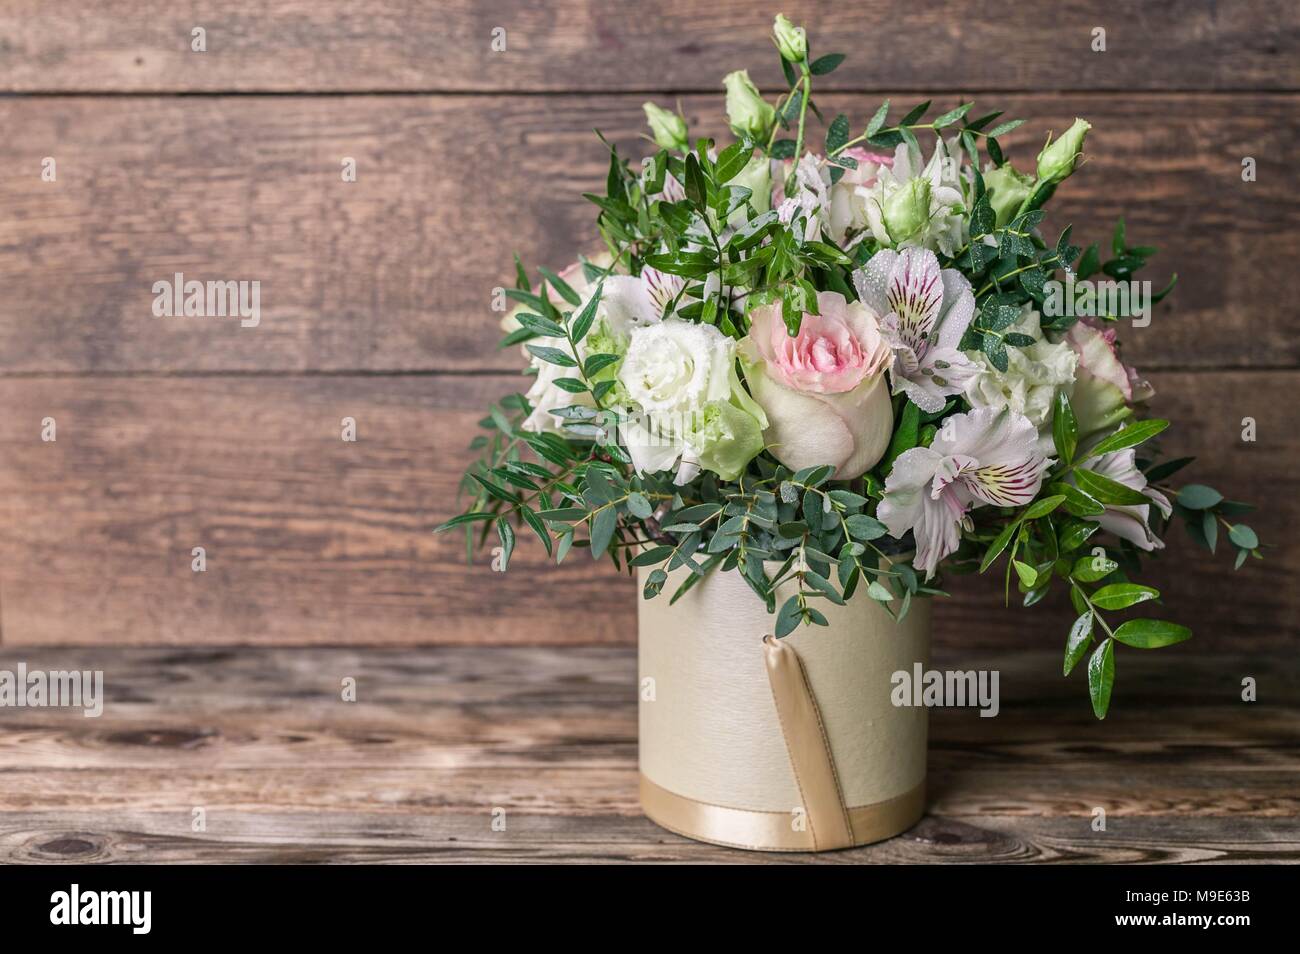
{"type": "Point", "coordinates": [811, 199]}
{"type": "Point", "coordinates": [924, 313]}
{"type": "Point", "coordinates": [914, 206]}
{"type": "Point", "coordinates": [626, 303]}
{"type": "Point", "coordinates": [1130, 523]}
{"type": "Point", "coordinates": [980, 457]}
{"type": "Point", "coordinates": [1029, 384]}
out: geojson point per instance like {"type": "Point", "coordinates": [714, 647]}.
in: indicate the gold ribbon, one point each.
{"type": "Point", "coordinates": [808, 747]}
{"type": "Point", "coordinates": [773, 831]}
{"type": "Point", "coordinates": [827, 823]}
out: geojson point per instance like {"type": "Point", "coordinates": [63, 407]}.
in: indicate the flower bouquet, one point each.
{"type": "Point", "coordinates": [806, 377]}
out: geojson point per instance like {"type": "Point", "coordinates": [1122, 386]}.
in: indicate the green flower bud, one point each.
{"type": "Point", "coordinates": [1007, 188]}
{"type": "Point", "coordinates": [669, 128]}
{"type": "Point", "coordinates": [757, 178]}
{"type": "Point", "coordinates": [791, 40]}
{"type": "Point", "coordinates": [747, 112]}
{"type": "Point", "coordinates": [908, 209]}
{"type": "Point", "coordinates": [1056, 161]}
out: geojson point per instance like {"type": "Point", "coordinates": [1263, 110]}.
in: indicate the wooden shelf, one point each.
{"type": "Point", "coordinates": [286, 771]}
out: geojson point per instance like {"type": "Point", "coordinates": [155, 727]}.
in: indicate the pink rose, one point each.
{"type": "Point", "coordinates": [823, 390]}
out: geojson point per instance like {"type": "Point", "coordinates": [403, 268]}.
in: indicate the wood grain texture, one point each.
{"type": "Point", "coordinates": [297, 46]}
{"type": "Point", "coordinates": [310, 539]}
{"type": "Point", "coordinates": [396, 271]}
{"type": "Point", "coordinates": [438, 738]}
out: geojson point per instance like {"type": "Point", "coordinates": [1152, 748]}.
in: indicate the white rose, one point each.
{"type": "Point", "coordinates": [1033, 375]}
{"type": "Point", "coordinates": [675, 367]}
{"type": "Point", "coordinates": [690, 404]}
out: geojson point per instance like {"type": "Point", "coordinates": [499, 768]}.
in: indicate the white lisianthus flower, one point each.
{"type": "Point", "coordinates": [689, 409]}
{"type": "Point", "coordinates": [626, 303]}
{"type": "Point", "coordinates": [1033, 376]}
{"type": "Point", "coordinates": [914, 206]}
{"type": "Point", "coordinates": [575, 276]}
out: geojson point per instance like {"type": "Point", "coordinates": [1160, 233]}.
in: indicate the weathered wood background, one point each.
{"type": "Point", "coordinates": [376, 294]}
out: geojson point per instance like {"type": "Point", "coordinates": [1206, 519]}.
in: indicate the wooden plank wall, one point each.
{"type": "Point", "coordinates": [376, 294]}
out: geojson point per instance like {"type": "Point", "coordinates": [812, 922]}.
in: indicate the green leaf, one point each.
{"type": "Point", "coordinates": [879, 592]}
{"type": "Point", "coordinates": [696, 188]}
{"type": "Point", "coordinates": [878, 119]}
{"type": "Point", "coordinates": [999, 544]}
{"type": "Point", "coordinates": [1129, 436]}
{"type": "Point", "coordinates": [1041, 508]}
{"type": "Point", "coordinates": [1198, 497]}
{"type": "Point", "coordinates": [1210, 528]}
{"type": "Point", "coordinates": [1151, 633]}
{"type": "Point", "coordinates": [838, 133]}
{"type": "Point", "coordinates": [1076, 644]}
{"type": "Point", "coordinates": [598, 362]}
{"type": "Point", "coordinates": [823, 586]}
{"type": "Point", "coordinates": [1075, 533]}
{"type": "Point", "coordinates": [906, 435]}
{"type": "Point", "coordinates": [1065, 428]}
{"type": "Point", "coordinates": [1122, 595]}
{"type": "Point", "coordinates": [639, 505]}
{"type": "Point", "coordinates": [582, 322]}
{"type": "Point", "coordinates": [506, 534]}
{"type": "Point", "coordinates": [825, 64]}
{"type": "Point", "coordinates": [1108, 491]}
{"type": "Point", "coordinates": [1243, 537]}
{"type": "Point", "coordinates": [996, 351]}
{"type": "Point", "coordinates": [864, 528]}
{"type": "Point", "coordinates": [789, 617]}
{"type": "Point", "coordinates": [561, 286]}
{"type": "Point", "coordinates": [1003, 128]}
{"type": "Point", "coordinates": [552, 356]}
{"type": "Point", "coordinates": [462, 519]}
{"type": "Point", "coordinates": [1028, 575]}
{"type": "Point", "coordinates": [1101, 677]}
{"type": "Point", "coordinates": [950, 117]}
{"type": "Point", "coordinates": [563, 514]}
{"type": "Point", "coordinates": [521, 276]}
{"type": "Point", "coordinates": [493, 490]}
{"type": "Point", "coordinates": [1086, 571]}
{"type": "Point", "coordinates": [541, 326]}
{"type": "Point", "coordinates": [732, 160]}
{"type": "Point", "coordinates": [1076, 501]}
{"type": "Point", "coordinates": [1168, 468]}
{"type": "Point", "coordinates": [603, 524]}
{"type": "Point", "coordinates": [651, 556]}
{"type": "Point", "coordinates": [654, 583]}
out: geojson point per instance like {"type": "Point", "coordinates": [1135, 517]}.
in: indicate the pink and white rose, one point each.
{"type": "Point", "coordinates": [823, 390]}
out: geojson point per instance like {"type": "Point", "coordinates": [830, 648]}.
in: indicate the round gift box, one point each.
{"type": "Point", "coordinates": [723, 760]}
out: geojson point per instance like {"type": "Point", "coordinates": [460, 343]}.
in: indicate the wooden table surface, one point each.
{"type": "Point", "coordinates": [440, 739]}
